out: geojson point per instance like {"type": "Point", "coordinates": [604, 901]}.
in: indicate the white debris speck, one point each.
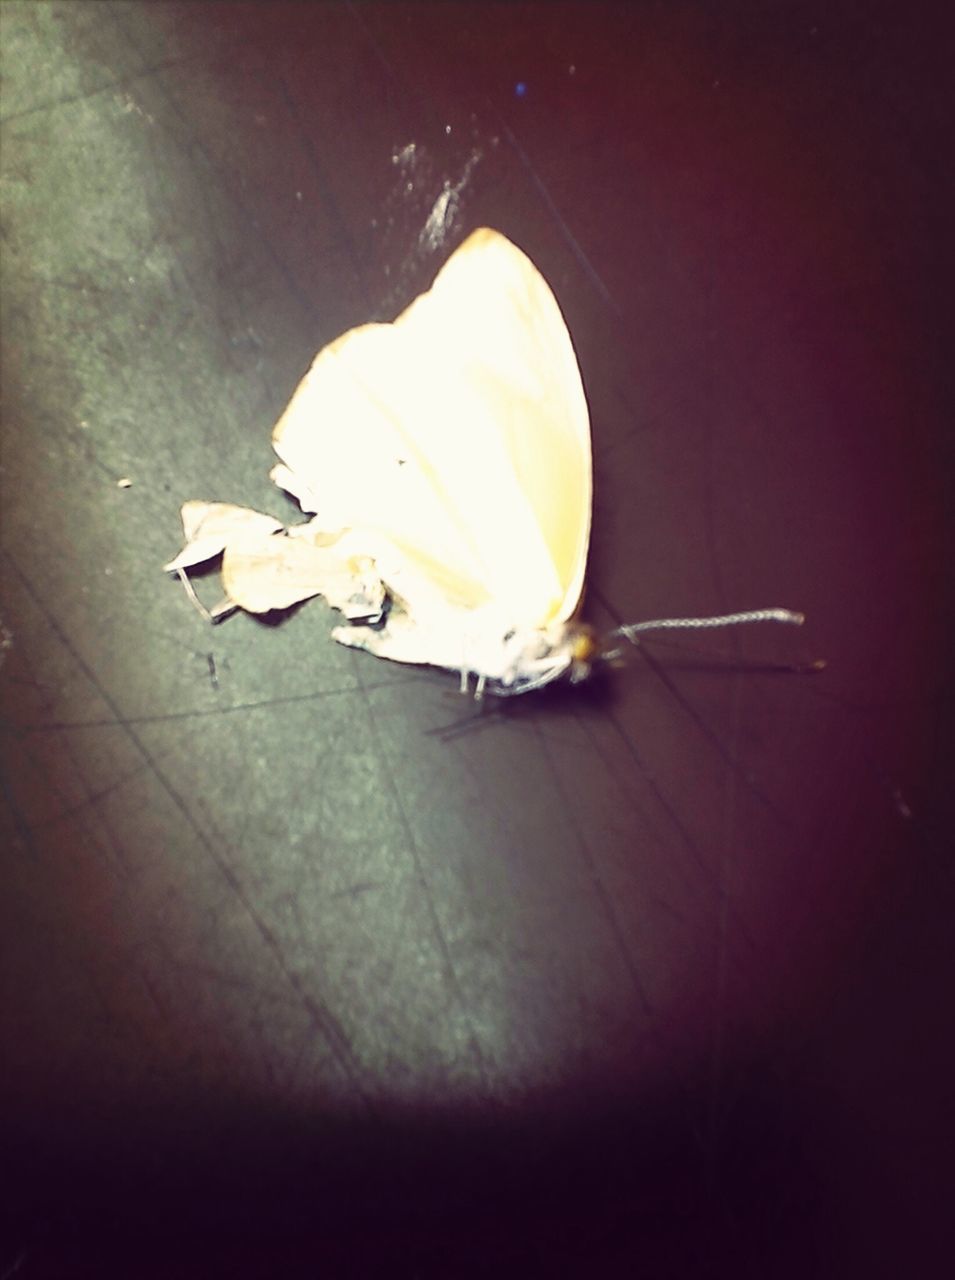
{"type": "Point", "coordinates": [901, 806]}
{"type": "Point", "coordinates": [6, 641]}
{"type": "Point", "coordinates": [124, 483]}
{"type": "Point", "coordinates": [128, 105]}
{"type": "Point", "coordinates": [445, 208]}
{"type": "Point", "coordinates": [405, 156]}
{"type": "Point", "coordinates": [440, 218]}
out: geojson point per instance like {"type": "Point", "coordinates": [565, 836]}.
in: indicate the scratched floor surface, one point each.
{"type": "Point", "coordinates": [301, 962]}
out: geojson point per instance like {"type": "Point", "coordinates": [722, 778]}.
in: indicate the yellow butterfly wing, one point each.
{"type": "Point", "coordinates": [457, 439]}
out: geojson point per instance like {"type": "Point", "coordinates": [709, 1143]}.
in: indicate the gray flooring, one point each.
{"type": "Point", "coordinates": [304, 957]}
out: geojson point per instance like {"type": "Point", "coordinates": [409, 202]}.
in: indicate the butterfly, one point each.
{"type": "Point", "coordinates": [444, 461]}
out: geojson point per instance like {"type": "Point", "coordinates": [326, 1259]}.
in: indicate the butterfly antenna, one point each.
{"type": "Point", "coordinates": [630, 631]}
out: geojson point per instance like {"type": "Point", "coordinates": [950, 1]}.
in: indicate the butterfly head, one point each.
{"type": "Point", "coordinates": [533, 657]}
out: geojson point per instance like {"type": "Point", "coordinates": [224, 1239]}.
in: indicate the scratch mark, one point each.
{"type": "Point", "coordinates": [359, 18]}
{"type": "Point", "coordinates": [696, 853]}
{"type": "Point", "coordinates": [325, 188]}
{"type": "Point", "coordinates": [69, 99]}
{"type": "Point", "coordinates": [213, 674]}
{"type": "Point", "coordinates": [112, 842]}
{"type": "Point", "coordinates": [208, 973]}
{"type": "Point", "coordinates": [229, 303]}
{"type": "Point", "coordinates": [322, 1018]}
{"type": "Point", "coordinates": [568, 235]}
{"type": "Point", "coordinates": [20, 823]}
{"type": "Point", "coordinates": [356, 890]}
{"type": "Point", "coordinates": [411, 842]}
{"type": "Point", "coordinates": [91, 798]}
{"type": "Point", "coordinates": [150, 989]}
{"type": "Point", "coordinates": [600, 889]}
{"type": "Point", "coordinates": [718, 1042]}
{"type": "Point", "coordinates": [727, 754]}
{"type": "Point", "coordinates": [193, 143]}
{"type": "Point", "coordinates": [14, 1266]}
{"type": "Point", "coordinates": [160, 717]}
